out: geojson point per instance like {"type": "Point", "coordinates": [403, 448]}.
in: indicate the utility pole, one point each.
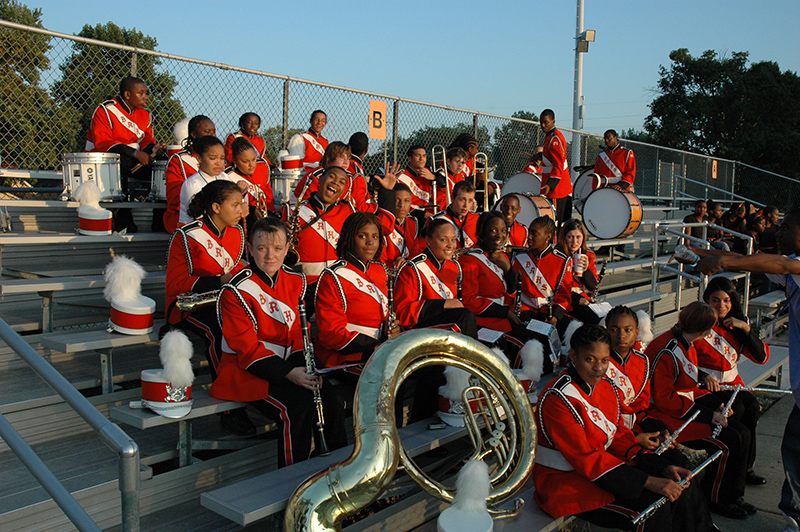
{"type": "Point", "coordinates": [582, 40]}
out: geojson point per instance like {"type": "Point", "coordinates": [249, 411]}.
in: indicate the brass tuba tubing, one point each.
{"type": "Point", "coordinates": [322, 501]}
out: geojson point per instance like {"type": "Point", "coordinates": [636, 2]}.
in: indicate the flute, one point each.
{"type": "Point", "coordinates": [650, 510]}
{"type": "Point", "coordinates": [674, 436]}
{"type": "Point", "coordinates": [726, 410]}
{"type": "Point", "coordinates": [311, 369]}
{"type": "Point", "coordinates": [727, 387]}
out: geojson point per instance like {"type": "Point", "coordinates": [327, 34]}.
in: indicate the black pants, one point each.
{"type": "Point", "coordinates": [746, 410]}
{"type": "Point", "coordinates": [203, 323]}
{"type": "Point", "coordinates": [292, 408]}
{"type": "Point", "coordinates": [563, 209]}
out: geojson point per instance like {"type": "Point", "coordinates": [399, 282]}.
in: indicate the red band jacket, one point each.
{"type": "Point", "coordinates": [357, 189]}
{"type": "Point", "coordinates": [555, 168]}
{"type": "Point", "coordinates": [257, 142]}
{"type": "Point", "coordinates": [180, 167]}
{"type": "Point", "coordinates": [114, 122]}
{"type": "Point", "coordinates": [352, 307]}
{"type": "Point", "coordinates": [631, 376]}
{"type": "Point", "coordinates": [584, 285]}
{"type": "Point", "coordinates": [260, 179]}
{"type": "Point", "coordinates": [545, 277]}
{"type": "Point", "coordinates": [423, 284]}
{"type": "Point", "coordinates": [421, 189]}
{"type": "Point", "coordinates": [487, 289]}
{"type": "Point", "coordinates": [518, 235]}
{"type": "Point", "coordinates": [260, 328]}
{"type": "Point", "coordinates": [466, 229]}
{"type": "Point", "coordinates": [616, 167]}
{"type": "Point", "coordinates": [403, 241]}
{"type": "Point", "coordinates": [718, 353]}
{"type": "Point", "coordinates": [584, 457]}
{"type": "Point", "coordinates": [199, 253]}
{"type": "Point", "coordinates": [314, 149]}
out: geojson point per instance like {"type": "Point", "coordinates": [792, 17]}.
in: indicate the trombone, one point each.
{"type": "Point", "coordinates": [436, 168]}
{"type": "Point", "coordinates": [481, 160]}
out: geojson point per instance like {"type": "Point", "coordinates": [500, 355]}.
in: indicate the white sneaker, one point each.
{"type": "Point", "coordinates": [791, 524]}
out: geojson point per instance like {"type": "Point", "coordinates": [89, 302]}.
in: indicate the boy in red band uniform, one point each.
{"type": "Point", "coordinates": [181, 166]}
{"type": "Point", "coordinates": [336, 154]}
{"type": "Point", "coordinates": [458, 214]}
{"type": "Point", "coordinates": [405, 240]}
{"type": "Point", "coordinates": [588, 463]}
{"type": "Point", "coordinates": [517, 233]}
{"type": "Point", "coordinates": [204, 255]}
{"type": "Point", "coordinates": [311, 144]}
{"type": "Point", "coordinates": [359, 144]}
{"type": "Point", "coordinates": [675, 396]}
{"type": "Point", "coordinates": [556, 181]}
{"type": "Point", "coordinates": [469, 144]}
{"type": "Point", "coordinates": [262, 357]}
{"type": "Point", "coordinates": [418, 178]}
{"type": "Point", "coordinates": [615, 165]}
{"type": "Point", "coordinates": [248, 129]}
{"type": "Point", "coordinates": [447, 177]}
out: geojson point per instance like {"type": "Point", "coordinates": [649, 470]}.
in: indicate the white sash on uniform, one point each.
{"type": "Point", "coordinates": [127, 123]}
{"type": "Point", "coordinates": [321, 227]}
{"type": "Point", "coordinates": [365, 286]}
{"type": "Point", "coordinates": [596, 415]}
{"type": "Point", "coordinates": [213, 248]}
{"type": "Point", "coordinates": [314, 143]}
{"type": "Point", "coordinates": [538, 280]}
{"type": "Point", "coordinates": [415, 189]}
{"type": "Point", "coordinates": [721, 345]}
{"type": "Point", "coordinates": [433, 280]}
{"type": "Point", "coordinates": [611, 166]}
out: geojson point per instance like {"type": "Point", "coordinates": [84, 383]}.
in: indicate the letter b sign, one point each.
{"type": "Point", "coordinates": [377, 119]}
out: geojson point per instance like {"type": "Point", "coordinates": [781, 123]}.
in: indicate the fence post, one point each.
{"type": "Point", "coordinates": [285, 135]}
{"type": "Point", "coordinates": [475, 126]}
{"type": "Point", "coordinates": [733, 179]}
{"type": "Point", "coordinates": [134, 66]}
{"type": "Point", "coordinates": [395, 112]}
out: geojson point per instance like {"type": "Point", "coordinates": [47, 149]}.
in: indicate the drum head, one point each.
{"type": "Point", "coordinates": [606, 213]}
{"type": "Point", "coordinates": [523, 182]}
{"type": "Point", "coordinates": [583, 186]}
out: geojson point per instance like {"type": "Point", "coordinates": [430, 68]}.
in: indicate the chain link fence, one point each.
{"type": "Point", "coordinates": [51, 84]}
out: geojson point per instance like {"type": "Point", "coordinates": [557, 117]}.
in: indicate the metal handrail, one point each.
{"type": "Point", "coordinates": [113, 436]}
{"type": "Point", "coordinates": [728, 192]}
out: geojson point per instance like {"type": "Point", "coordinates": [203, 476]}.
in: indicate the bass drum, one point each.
{"type": "Point", "coordinates": [610, 213]}
{"type": "Point", "coordinates": [523, 183]}
{"type": "Point", "coordinates": [583, 186]}
{"type": "Point", "coordinates": [531, 207]}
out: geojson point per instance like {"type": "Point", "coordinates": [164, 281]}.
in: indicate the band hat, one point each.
{"type": "Point", "coordinates": [168, 391]}
{"type": "Point", "coordinates": [93, 220]}
{"type": "Point", "coordinates": [131, 312]}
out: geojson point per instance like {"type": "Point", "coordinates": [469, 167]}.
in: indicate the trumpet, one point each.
{"type": "Point", "coordinates": [311, 369]}
{"type": "Point", "coordinates": [436, 168]}
{"type": "Point", "coordinates": [189, 302]}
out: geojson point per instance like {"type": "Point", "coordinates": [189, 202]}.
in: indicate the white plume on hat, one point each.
{"type": "Point", "coordinates": [457, 381]}
{"type": "Point", "coordinates": [181, 130]}
{"type": "Point", "coordinates": [645, 326]}
{"type": "Point", "coordinates": [123, 279]}
{"type": "Point", "coordinates": [573, 326]}
{"type": "Point", "coordinates": [88, 194]}
{"type": "Point", "coordinates": [472, 487]}
{"type": "Point", "coordinates": [499, 352]}
{"type": "Point", "coordinates": [176, 354]}
{"type": "Point", "coordinates": [532, 354]}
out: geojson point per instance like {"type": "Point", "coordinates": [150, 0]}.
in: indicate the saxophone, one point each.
{"type": "Point", "coordinates": [293, 225]}
{"type": "Point", "coordinates": [189, 302]}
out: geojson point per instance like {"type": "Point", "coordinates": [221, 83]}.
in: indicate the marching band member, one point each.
{"type": "Point", "coordinates": [675, 396]}
{"type": "Point", "coordinates": [459, 215]}
{"type": "Point", "coordinates": [183, 165]}
{"type": "Point", "coordinates": [589, 463]}
{"type": "Point", "coordinates": [254, 171]}
{"type": "Point", "coordinates": [204, 255]}
{"type": "Point", "coordinates": [262, 352]}
{"type": "Point", "coordinates": [572, 241]}
{"type": "Point", "coordinates": [210, 155]}
{"type": "Point", "coordinates": [336, 154]}
{"type": "Point", "coordinates": [427, 295]}
{"type": "Point", "coordinates": [615, 165]}
{"type": "Point", "coordinates": [469, 144]}
{"type": "Point", "coordinates": [311, 144]}
{"type": "Point", "coordinates": [556, 181]}
{"type": "Point", "coordinates": [517, 232]}
{"type": "Point", "coordinates": [405, 240]}
{"type": "Point", "coordinates": [718, 355]}
{"type": "Point", "coordinates": [452, 173]}
{"type": "Point", "coordinates": [534, 166]}
{"type": "Point", "coordinates": [418, 178]}
{"type": "Point", "coordinates": [248, 129]}
{"type": "Point", "coordinates": [359, 145]}
{"type": "Point", "coordinates": [351, 301]}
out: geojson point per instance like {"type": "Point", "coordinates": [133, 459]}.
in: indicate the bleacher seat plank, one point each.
{"type": "Point", "coordinates": [769, 300]}
{"type": "Point", "coordinates": [95, 340]}
{"type": "Point", "coordinates": [55, 284]}
{"type": "Point", "coordinates": [635, 299]}
{"type": "Point", "coordinates": [203, 405]}
{"type": "Point", "coordinates": [755, 374]}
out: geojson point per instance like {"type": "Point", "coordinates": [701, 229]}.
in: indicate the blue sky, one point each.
{"type": "Point", "coordinates": [496, 57]}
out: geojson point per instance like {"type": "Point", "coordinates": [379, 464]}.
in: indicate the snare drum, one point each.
{"type": "Point", "coordinates": [158, 181]}
{"type": "Point", "coordinates": [102, 168]}
{"type": "Point", "coordinates": [583, 186]}
{"type": "Point", "coordinates": [172, 149]}
{"type": "Point", "coordinates": [531, 207]}
{"type": "Point", "coordinates": [524, 183]}
{"type": "Point", "coordinates": [610, 213]}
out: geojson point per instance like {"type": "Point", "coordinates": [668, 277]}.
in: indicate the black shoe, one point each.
{"type": "Point", "coordinates": [746, 506]}
{"type": "Point", "coordinates": [731, 509]}
{"type": "Point", "coordinates": [237, 422]}
{"type": "Point", "coordinates": [754, 480]}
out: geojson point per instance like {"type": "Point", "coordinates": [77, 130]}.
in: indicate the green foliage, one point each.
{"type": "Point", "coordinates": [513, 141]}
{"type": "Point", "coordinates": [273, 140]}
{"type": "Point", "coordinates": [29, 119]}
{"type": "Point", "coordinates": [92, 74]}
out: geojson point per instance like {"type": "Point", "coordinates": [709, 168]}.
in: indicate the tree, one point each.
{"type": "Point", "coordinates": [720, 106]}
{"type": "Point", "coordinates": [273, 140]}
{"type": "Point", "coordinates": [513, 141]}
{"type": "Point", "coordinates": [29, 118]}
{"type": "Point", "coordinates": [92, 74]}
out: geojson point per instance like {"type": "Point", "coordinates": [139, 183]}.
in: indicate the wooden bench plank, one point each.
{"type": "Point", "coordinates": [754, 374]}
{"type": "Point", "coordinates": [770, 300]}
{"type": "Point", "coordinates": [143, 418]}
{"type": "Point", "coordinates": [96, 340]}
{"type": "Point", "coordinates": [54, 284]}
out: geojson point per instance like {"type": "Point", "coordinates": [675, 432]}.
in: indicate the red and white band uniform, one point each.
{"type": "Point", "coordinates": [352, 307]}
{"type": "Point", "coordinates": [258, 184]}
{"type": "Point", "coordinates": [114, 122]}
{"type": "Point", "coordinates": [199, 254]}
{"type": "Point", "coordinates": [404, 240]}
{"type": "Point", "coordinates": [546, 278]}
{"type": "Point", "coordinates": [192, 186]}
{"type": "Point", "coordinates": [312, 145]}
{"type": "Point", "coordinates": [357, 188]}
{"type": "Point", "coordinates": [582, 288]}
{"type": "Point", "coordinates": [318, 234]}
{"type": "Point", "coordinates": [421, 189]}
{"type": "Point", "coordinates": [257, 142]}
{"type": "Point", "coordinates": [675, 396]}
{"type": "Point", "coordinates": [534, 169]}
{"type": "Point", "coordinates": [616, 167]}
{"type": "Point", "coordinates": [262, 343]}
{"type": "Point", "coordinates": [441, 192]}
{"type": "Point", "coordinates": [180, 167]}
{"type": "Point", "coordinates": [312, 178]}
{"type": "Point", "coordinates": [487, 290]}
{"type": "Point", "coordinates": [555, 169]}
{"type": "Point", "coordinates": [466, 228]}
{"type": "Point", "coordinates": [631, 376]}
{"type": "Point", "coordinates": [517, 235]}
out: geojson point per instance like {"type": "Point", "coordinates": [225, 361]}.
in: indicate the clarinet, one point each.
{"type": "Point", "coordinates": [725, 411]}
{"type": "Point", "coordinates": [311, 369]}
{"type": "Point", "coordinates": [674, 436]}
{"type": "Point", "coordinates": [390, 295]}
{"type": "Point", "coordinates": [650, 510]}
{"type": "Point", "coordinates": [599, 280]}
{"type": "Point", "coordinates": [518, 297]}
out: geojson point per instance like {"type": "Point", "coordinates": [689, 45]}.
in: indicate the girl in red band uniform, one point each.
{"type": "Point", "coordinates": [311, 144]}
{"type": "Point", "coordinates": [248, 129]}
{"type": "Point", "coordinates": [204, 255]}
{"type": "Point", "coordinates": [262, 353]}
{"type": "Point", "coordinates": [718, 355]}
{"type": "Point", "coordinates": [572, 240]}
{"type": "Point", "coordinates": [183, 165]}
{"type": "Point", "coordinates": [675, 395]}
{"type": "Point", "coordinates": [247, 167]}
{"type": "Point", "coordinates": [590, 464]}
{"type": "Point", "coordinates": [352, 304]}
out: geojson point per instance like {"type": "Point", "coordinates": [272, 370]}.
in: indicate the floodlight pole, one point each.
{"type": "Point", "coordinates": [582, 39]}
